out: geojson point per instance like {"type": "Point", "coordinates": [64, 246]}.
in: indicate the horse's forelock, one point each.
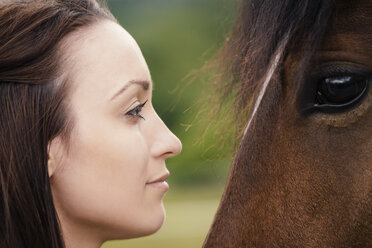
{"type": "Point", "coordinates": [252, 47]}
{"type": "Point", "coordinates": [267, 79]}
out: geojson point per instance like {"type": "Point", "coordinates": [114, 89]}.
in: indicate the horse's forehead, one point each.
{"type": "Point", "coordinates": [353, 10]}
{"type": "Point", "coordinates": [349, 34]}
{"type": "Point", "coordinates": [351, 22]}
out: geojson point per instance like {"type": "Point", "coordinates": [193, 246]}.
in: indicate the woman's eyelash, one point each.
{"type": "Point", "coordinates": [135, 112]}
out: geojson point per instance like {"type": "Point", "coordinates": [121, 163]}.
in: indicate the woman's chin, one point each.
{"type": "Point", "coordinates": [156, 221]}
{"type": "Point", "coordinates": [148, 224]}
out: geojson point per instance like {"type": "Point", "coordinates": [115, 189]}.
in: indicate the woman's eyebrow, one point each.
{"type": "Point", "coordinates": [144, 83]}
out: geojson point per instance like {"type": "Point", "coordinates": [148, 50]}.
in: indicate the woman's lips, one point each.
{"type": "Point", "coordinates": [163, 185]}
{"type": "Point", "coordinates": [160, 183]}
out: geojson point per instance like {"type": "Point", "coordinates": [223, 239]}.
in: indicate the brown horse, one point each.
{"type": "Point", "coordinates": [302, 174]}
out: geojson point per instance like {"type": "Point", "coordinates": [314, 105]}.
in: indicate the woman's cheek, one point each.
{"type": "Point", "coordinates": [102, 172]}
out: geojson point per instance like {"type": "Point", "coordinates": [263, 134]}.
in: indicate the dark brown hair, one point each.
{"type": "Point", "coordinates": [32, 112]}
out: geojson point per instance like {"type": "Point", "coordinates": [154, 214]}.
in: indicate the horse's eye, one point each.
{"type": "Point", "coordinates": [340, 91]}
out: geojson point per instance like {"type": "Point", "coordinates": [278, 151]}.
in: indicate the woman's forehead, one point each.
{"type": "Point", "coordinates": [104, 58]}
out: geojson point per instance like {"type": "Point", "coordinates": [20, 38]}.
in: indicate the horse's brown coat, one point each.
{"type": "Point", "coordinates": [305, 181]}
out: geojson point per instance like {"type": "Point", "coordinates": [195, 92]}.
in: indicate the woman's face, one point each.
{"type": "Point", "coordinates": [109, 182]}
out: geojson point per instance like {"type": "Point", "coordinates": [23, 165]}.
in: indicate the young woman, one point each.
{"type": "Point", "coordinates": [82, 150]}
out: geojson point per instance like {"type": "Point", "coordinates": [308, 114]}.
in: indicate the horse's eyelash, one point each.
{"type": "Point", "coordinates": [337, 70]}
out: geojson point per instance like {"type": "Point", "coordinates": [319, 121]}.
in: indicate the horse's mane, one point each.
{"type": "Point", "coordinates": [263, 26]}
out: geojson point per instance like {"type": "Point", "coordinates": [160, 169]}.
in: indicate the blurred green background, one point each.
{"type": "Point", "coordinates": [177, 37]}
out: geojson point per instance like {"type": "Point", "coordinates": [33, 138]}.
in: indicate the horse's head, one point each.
{"type": "Point", "coordinates": [302, 174]}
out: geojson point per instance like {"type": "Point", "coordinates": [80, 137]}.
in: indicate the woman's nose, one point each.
{"type": "Point", "coordinates": [165, 143]}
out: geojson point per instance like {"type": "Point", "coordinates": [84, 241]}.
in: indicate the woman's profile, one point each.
{"type": "Point", "coordinates": [82, 150]}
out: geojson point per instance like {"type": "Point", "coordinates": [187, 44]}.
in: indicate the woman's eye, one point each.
{"type": "Point", "coordinates": [340, 91]}
{"type": "Point", "coordinates": [135, 112]}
